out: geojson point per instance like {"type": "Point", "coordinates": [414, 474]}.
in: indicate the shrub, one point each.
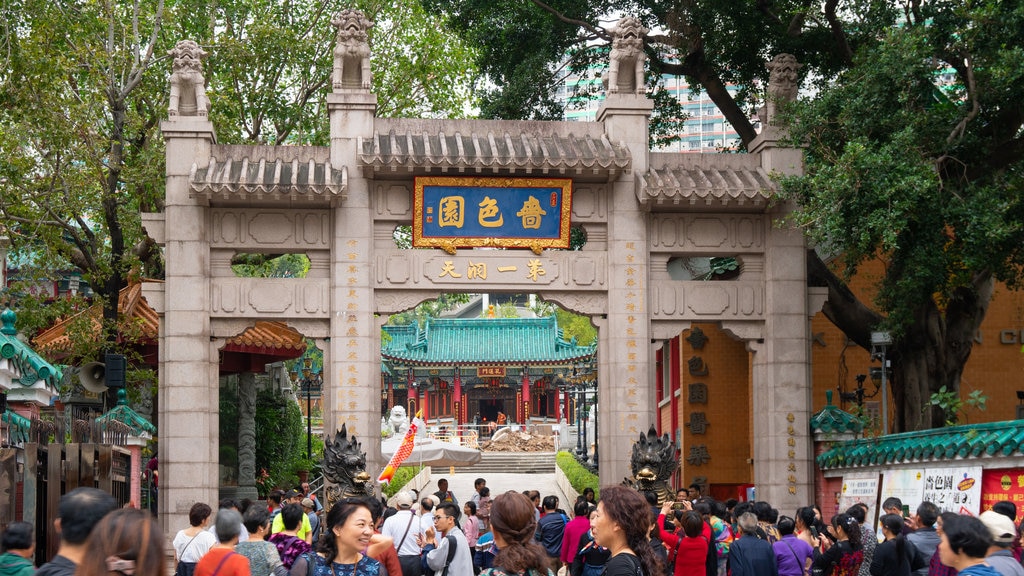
{"type": "Point", "coordinates": [402, 477]}
{"type": "Point", "coordinates": [578, 475]}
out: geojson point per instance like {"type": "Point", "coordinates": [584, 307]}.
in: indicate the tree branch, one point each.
{"type": "Point", "coordinates": [842, 308]}
{"type": "Point", "coordinates": [796, 24]}
{"type": "Point", "coordinates": [845, 52]}
{"type": "Point", "coordinates": [764, 7]}
{"type": "Point", "coordinates": [599, 32]}
{"type": "Point", "coordinates": [972, 94]}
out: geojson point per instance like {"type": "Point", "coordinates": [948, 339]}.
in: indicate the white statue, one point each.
{"type": "Point", "coordinates": [399, 421]}
{"type": "Point", "coordinates": [188, 87]}
{"type": "Point", "coordinates": [627, 57]}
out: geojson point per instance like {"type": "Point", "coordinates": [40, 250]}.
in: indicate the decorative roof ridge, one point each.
{"type": "Point", "coordinates": [989, 439]}
{"type": "Point", "coordinates": [245, 169]}
{"type": "Point", "coordinates": [31, 364]}
{"type": "Point", "coordinates": [131, 304]}
{"type": "Point", "coordinates": [125, 415]}
{"type": "Point", "coordinates": [492, 149]}
{"type": "Point", "coordinates": [832, 419]}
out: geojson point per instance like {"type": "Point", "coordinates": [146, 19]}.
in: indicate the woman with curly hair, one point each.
{"type": "Point", "coordinates": [620, 524]}
{"type": "Point", "coordinates": [513, 526]}
{"type": "Point", "coordinates": [127, 541]}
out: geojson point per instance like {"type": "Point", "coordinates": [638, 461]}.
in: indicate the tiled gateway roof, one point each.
{"type": "Point", "coordinates": [992, 439]}
{"type": "Point", "coordinates": [513, 147]}
{"type": "Point", "coordinates": [29, 364]}
{"type": "Point", "coordinates": [275, 338]}
{"type": "Point", "coordinates": [268, 338]}
{"type": "Point", "coordinates": [253, 172]}
{"type": "Point", "coordinates": [499, 341]}
{"type": "Point", "coordinates": [131, 304]}
{"type": "Point", "coordinates": [684, 181]}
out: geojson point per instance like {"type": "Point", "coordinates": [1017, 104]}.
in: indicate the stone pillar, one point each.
{"type": "Point", "coordinates": [351, 385]}
{"type": "Point", "coordinates": [626, 406]}
{"type": "Point", "coordinates": [188, 362]}
{"type": "Point", "coordinates": [247, 436]}
{"type": "Point", "coordinates": [783, 463]}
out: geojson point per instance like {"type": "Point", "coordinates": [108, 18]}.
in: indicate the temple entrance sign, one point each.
{"type": "Point", "coordinates": [340, 205]}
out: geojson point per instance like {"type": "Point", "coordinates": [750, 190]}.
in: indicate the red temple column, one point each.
{"type": "Point", "coordinates": [526, 394]}
{"type": "Point", "coordinates": [458, 397]}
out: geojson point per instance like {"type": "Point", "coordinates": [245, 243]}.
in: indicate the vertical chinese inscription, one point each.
{"type": "Point", "coordinates": [698, 454]}
{"type": "Point", "coordinates": [348, 381]}
{"type": "Point", "coordinates": [633, 305]}
{"type": "Point", "coordinates": [791, 453]}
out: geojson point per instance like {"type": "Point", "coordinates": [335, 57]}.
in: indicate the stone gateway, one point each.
{"type": "Point", "coordinates": [340, 204]}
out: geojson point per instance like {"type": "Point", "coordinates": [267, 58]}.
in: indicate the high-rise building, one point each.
{"type": "Point", "coordinates": [705, 130]}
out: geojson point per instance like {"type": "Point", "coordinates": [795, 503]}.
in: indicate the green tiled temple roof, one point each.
{"type": "Point", "coordinates": [991, 439]}
{"type": "Point", "coordinates": [32, 366]}
{"type": "Point", "coordinates": [125, 415]}
{"type": "Point", "coordinates": [499, 341]}
{"type": "Point", "coordinates": [832, 420]}
{"type": "Point", "coordinates": [19, 426]}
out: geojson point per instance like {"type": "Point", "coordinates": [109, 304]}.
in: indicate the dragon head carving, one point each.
{"type": "Point", "coordinates": [345, 466]}
{"type": "Point", "coordinates": [652, 463]}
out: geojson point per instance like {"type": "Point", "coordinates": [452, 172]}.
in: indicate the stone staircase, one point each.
{"type": "Point", "coordinates": [514, 463]}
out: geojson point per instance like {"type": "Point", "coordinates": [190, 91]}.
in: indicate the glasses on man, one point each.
{"type": "Point", "coordinates": [436, 518]}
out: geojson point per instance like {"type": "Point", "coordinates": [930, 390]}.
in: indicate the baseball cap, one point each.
{"type": "Point", "coordinates": [290, 494]}
{"type": "Point", "coordinates": [307, 502]}
{"type": "Point", "coordinates": [1000, 527]}
{"type": "Point", "coordinates": [403, 500]}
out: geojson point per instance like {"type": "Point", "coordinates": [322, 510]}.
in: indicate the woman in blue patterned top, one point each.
{"type": "Point", "coordinates": [344, 542]}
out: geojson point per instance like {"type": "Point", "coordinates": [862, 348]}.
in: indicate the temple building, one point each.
{"type": "Point", "coordinates": [466, 371]}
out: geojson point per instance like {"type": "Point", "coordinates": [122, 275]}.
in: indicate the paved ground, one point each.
{"type": "Point", "coordinates": [462, 484]}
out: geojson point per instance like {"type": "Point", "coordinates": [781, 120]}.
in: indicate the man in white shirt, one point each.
{"type": "Point", "coordinates": [438, 540]}
{"type": "Point", "coordinates": [404, 529]}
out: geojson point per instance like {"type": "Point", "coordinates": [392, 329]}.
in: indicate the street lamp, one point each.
{"type": "Point", "coordinates": [310, 376]}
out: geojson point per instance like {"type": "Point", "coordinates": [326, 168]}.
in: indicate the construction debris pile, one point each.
{"type": "Point", "coordinates": [505, 440]}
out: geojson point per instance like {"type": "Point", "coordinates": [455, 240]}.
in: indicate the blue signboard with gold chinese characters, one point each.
{"type": "Point", "coordinates": [452, 212]}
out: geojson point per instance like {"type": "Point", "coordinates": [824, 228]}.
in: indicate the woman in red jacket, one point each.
{"type": "Point", "coordinates": [690, 550]}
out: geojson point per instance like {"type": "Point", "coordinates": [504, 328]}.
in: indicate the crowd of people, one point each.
{"type": "Point", "coordinates": [622, 533]}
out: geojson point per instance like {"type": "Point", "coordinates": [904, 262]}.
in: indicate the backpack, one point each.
{"type": "Point", "coordinates": [427, 570]}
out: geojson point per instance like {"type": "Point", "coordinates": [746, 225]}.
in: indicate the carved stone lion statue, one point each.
{"type": "Point", "coordinates": [652, 463]}
{"type": "Point", "coordinates": [398, 420]}
{"type": "Point", "coordinates": [783, 84]}
{"type": "Point", "coordinates": [352, 50]}
{"type": "Point", "coordinates": [626, 68]}
{"type": "Point", "coordinates": [344, 466]}
{"type": "Point", "coordinates": [188, 87]}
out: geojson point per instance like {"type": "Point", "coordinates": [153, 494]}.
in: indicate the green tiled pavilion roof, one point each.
{"type": "Point", "coordinates": [30, 364]}
{"type": "Point", "coordinates": [499, 341]}
{"type": "Point", "coordinates": [832, 420]}
{"type": "Point", "coordinates": [19, 426]}
{"type": "Point", "coordinates": [125, 415]}
{"type": "Point", "coordinates": [991, 439]}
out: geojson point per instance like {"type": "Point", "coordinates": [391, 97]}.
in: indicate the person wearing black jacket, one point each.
{"type": "Point", "coordinates": [896, 556]}
{"type": "Point", "coordinates": [550, 529]}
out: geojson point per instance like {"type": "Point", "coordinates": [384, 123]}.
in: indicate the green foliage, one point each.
{"type": "Point", "coordinates": [925, 184]}
{"type": "Point", "coordinates": [430, 309]}
{"type": "Point", "coordinates": [83, 90]}
{"type": "Point", "coordinates": [402, 477]}
{"type": "Point", "coordinates": [578, 475]}
{"type": "Point", "coordinates": [258, 266]}
{"type": "Point", "coordinates": [576, 326]}
{"type": "Point", "coordinates": [419, 67]}
{"type": "Point", "coordinates": [525, 49]}
{"type": "Point", "coordinates": [281, 433]}
{"type": "Point", "coordinates": [951, 403]}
